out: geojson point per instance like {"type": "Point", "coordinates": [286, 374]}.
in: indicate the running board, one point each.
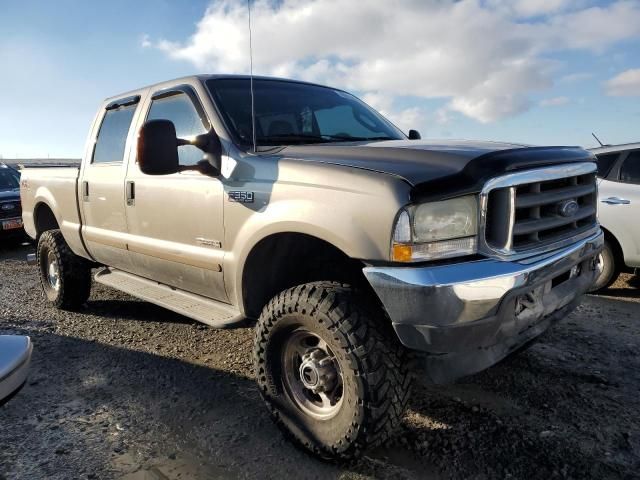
{"type": "Point", "coordinates": [205, 310]}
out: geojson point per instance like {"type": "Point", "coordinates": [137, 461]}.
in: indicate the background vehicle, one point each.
{"type": "Point", "coordinates": [10, 207]}
{"type": "Point", "coordinates": [618, 209]}
{"type": "Point", "coordinates": [15, 356]}
{"type": "Point", "coordinates": [349, 243]}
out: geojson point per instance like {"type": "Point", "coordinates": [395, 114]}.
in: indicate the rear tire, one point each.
{"type": "Point", "coordinates": [610, 269]}
{"type": "Point", "coordinates": [356, 373]}
{"type": "Point", "coordinates": [65, 277]}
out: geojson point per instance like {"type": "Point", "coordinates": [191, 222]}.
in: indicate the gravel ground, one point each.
{"type": "Point", "coordinates": [124, 389]}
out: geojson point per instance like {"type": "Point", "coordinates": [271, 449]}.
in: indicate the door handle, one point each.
{"type": "Point", "coordinates": [131, 193]}
{"type": "Point", "coordinates": [85, 191]}
{"type": "Point", "coordinates": [616, 201]}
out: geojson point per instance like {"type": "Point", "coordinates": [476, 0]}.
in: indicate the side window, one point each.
{"type": "Point", "coordinates": [605, 163]}
{"type": "Point", "coordinates": [112, 136]}
{"type": "Point", "coordinates": [630, 169]}
{"type": "Point", "coordinates": [181, 111]}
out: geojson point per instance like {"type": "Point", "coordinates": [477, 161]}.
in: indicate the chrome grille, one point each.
{"type": "Point", "coordinates": [539, 209]}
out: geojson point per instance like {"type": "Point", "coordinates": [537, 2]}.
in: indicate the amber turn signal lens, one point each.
{"type": "Point", "coordinates": [402, 253]}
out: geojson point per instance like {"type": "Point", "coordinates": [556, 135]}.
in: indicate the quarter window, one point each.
{"type": "Point", "coordinates": [630, 169]}
{"type": "Point", "coordinates": [182, 112]}
{"type": "Point", "coordinates": [112, 136]}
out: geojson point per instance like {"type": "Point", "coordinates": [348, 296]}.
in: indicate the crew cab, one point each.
{"type": "Point", "coordinates": [365, 257]}
{"type": "Point", "coordinates": [618, 210]}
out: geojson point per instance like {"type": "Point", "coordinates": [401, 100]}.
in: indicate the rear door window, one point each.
{"type": "Point", "coordinates": [630, 168]}
{"type": "Point", "coordinates": [112, 136]}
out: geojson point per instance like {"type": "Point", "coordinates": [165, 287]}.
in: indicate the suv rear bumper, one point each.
{"type": "Point", "coordinates": [470, 315]}
{"type": "Point", "coordinates": [12, 232]}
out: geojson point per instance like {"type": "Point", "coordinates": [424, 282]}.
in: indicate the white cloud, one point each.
{"type": "Point", "coordinates": [626, 84]}
{"type": "Point", "coordinates": [484, 57]}
{"type": "Point", "coordinates": [405, 119]}
{"type": "Point", "coordinates": [145, 42]}
{"type": "Point", "coordinates": [594, 28]}
{"type": "Point", "coordinates": [534, 8]}
{"type": "Point", "coordinates": [554, 102]}
{"type": "Point", "coordinates": [575, 77]}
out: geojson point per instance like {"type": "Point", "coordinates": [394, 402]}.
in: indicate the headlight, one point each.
{"type": "Point", "coordinates": [436, 230]}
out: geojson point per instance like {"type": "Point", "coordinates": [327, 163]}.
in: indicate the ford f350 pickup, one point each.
{"type": "Point", "coordinates": [365, 257]}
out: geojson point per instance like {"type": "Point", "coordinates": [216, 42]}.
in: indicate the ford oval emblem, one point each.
{"type": "Point", "coordinates": [568, 208]}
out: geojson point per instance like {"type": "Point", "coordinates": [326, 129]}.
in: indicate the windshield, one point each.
{"type": "Point", "coordinates": [9, 179]}
{"type": "Point", "coordinates": [295, 113]}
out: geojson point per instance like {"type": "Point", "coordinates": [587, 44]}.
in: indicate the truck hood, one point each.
{"type": "Point", "coordinates": [437, 168]}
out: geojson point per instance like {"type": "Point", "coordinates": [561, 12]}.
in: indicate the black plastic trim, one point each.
{"type": "Point", "coordinates": [479, 170]}
{"type": "Point", "coordinates": [183, 89]}
{"type": "Point", "coordinates": [123, 102]}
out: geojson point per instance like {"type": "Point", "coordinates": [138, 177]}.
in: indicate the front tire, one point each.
{"type": "Point", "coordinates": [610, 269]}
{"type": "Point", "coordinates": [65, 277]}
{"type": "Point", "coordinates": [333, 375]}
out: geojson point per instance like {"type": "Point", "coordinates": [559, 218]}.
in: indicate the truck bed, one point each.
{"type": "Point", "coordinates": [53, 191]}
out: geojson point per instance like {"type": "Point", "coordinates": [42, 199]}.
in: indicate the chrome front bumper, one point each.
{"type": "Point", "coordinates": [470, 315]}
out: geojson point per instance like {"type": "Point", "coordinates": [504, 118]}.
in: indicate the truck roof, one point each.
{"type": "Point", "coordinates": [207, 76]}
{"type": "Point", "coordinates": [615, 148]}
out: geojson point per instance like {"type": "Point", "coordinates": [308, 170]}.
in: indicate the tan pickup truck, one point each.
{"type": "Point", "coordinates": [366, 257]}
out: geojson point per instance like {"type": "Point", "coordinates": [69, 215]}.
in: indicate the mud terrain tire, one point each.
{"type": "Point", "coordinates": [65, 277]}
{"type": "Point", "coordinates": [372, 365]}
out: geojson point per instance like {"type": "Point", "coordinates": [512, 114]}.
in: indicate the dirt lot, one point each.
{"type": "Point", "coordinates": [125, 389]}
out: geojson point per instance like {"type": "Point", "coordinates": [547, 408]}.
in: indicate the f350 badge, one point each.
{"type": "Point", "coordinates": [240, 196]}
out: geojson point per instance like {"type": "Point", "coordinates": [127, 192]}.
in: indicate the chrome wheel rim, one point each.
{"type": "Point", "coordinates": [312, 375]}
{"type": "Point", "coordinates": [53, 271]}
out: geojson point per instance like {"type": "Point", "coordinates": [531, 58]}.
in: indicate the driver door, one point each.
{"type": "Point", "coordinates": [175, 221]}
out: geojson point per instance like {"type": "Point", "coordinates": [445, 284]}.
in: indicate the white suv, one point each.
{"type": "Point", "coordinates": [618, 209]}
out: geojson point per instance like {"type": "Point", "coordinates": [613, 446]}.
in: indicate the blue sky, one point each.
{"type": "Point", "coordinates": [533, 71]}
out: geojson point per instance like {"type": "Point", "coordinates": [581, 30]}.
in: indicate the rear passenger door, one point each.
{"type": "Point", "coordinates": [175, 221]}
{"type": "Point", "coordinates": [619, 206]}
{"type": "Point", "coordinates": [101, 185]}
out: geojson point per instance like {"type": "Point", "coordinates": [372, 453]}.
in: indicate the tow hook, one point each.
{"type": "Point", "coordinates": [596, 263]}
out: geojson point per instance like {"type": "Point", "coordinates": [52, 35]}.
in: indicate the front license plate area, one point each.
{"type": "Point", "coordinates": [11, 224]}
{"type": "Point", "coordinates": [531, 304]}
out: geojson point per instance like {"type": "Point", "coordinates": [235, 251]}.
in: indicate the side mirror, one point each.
{"type": "Point", "coordinates": [15, 356]}
{"type": "Point", "coordinates": [210, 144]}
{"type": "Point", "coordinates": [158, 148]}
{"type": "Point", "coordinates": [414, 135]}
